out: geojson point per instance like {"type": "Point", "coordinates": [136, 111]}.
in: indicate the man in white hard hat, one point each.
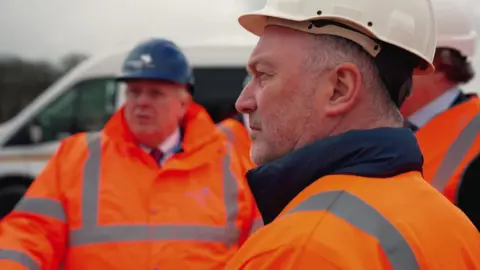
{"type": "Point", "coordinates": [340, 182]}
{"type": "Point", "coordinates": [447, 120]}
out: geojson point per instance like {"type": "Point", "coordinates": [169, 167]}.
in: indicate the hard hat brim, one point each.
{"type": "Point", "coordinates": [466, 45]}
{"type": "Point", "coordinates": [151, 76]}
{"type": "Point", "coordinates": [256, 22]}
{"type": "Point", "coordinates": [142, 75]}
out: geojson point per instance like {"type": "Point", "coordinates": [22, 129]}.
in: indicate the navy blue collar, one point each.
{"type": "Point", "coordinates": [377, 153]}
{"type": "Point", "coordinates": [462, 97]}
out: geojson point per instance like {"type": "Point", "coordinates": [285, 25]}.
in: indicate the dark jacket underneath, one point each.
{"type": "Point", "coordinates": [378, 153]}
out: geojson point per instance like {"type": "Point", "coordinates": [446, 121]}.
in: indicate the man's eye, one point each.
{"type": "Point", "coordinates": [263, 77]}
{"type": "Point", "coordinates": [156, 93]}
{"type": "Point", "coordinates": [134, 92]}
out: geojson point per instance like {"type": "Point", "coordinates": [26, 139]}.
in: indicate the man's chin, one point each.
{"type": "Point", "coordinates": [144, 133]}
{"type": "Point", "coordinates": [257, 154]}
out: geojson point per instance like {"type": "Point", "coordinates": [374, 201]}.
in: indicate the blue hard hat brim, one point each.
{"type": "Point", "coordinates": [142, 75]}
{"type": "Point", "coordinates": [151, 76]}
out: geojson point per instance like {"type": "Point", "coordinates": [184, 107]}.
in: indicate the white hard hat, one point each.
{"type": "Point", "coordinates": [407, 24]}
{"type": "Point", "coordinates": [455, 26]}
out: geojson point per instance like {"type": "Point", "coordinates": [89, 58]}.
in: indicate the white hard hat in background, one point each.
{"type": "Point", "coordinates": [408, 24]}
{"type": "Point", "coordinates": [244, 6]}
{"type": "Point", "coordinates": [455, 26]}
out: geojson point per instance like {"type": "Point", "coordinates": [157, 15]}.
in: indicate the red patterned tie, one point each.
{"type": "Point", "coordinates": [157, 155]}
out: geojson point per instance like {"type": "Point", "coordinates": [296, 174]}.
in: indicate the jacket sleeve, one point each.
{"type": "Point", "coordinates": [287, 258]}
{"type": "Point", "coordinates": [249, 213]}
{"type": "Point", "coordinates": [34, 234]}
{"type": "Point", "coordinates": [257, 221]}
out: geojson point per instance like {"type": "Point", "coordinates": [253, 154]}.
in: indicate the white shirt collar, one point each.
{"type": "Point", "coordinates": [436, 106]}
{"type": "Point", "coordinates": [169, 146]}
{"type": "Point", "coordinates": [246, 122]}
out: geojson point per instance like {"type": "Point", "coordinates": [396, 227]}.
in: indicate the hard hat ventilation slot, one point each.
{"type": "Point", "coordinates": [329, 27]}
{"type": "Point", "coordinates": [370, 24]}
{"type": "Point", "coordinates": [372, 45]}
{"type": "Point", "coordinates": [319, 12]}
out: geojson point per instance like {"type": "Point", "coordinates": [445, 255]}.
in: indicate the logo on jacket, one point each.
{"type": "Point", "coordinates": [200, 196]}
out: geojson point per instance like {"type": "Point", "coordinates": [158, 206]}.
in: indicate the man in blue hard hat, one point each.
{"type": "Point", "coordinates": [158, 188]}
{"type": "Point", "coordinates": [158, 81]}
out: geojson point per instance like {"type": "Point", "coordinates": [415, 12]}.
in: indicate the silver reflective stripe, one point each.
{"type": "Point", "coordinates": [19, 257]}
{"type": "Point", "coordinates": [455, 154]}
{"type": "Point", "coordinates": [257, 224]}
{"type": "Point", "coordinates": [126, 233]}
{"type": "Point", "coordinates": [365, 218]}
{"type": "Point", "coordinates": [42, 206]}
{"type": "Point", "coordinates": [227, 132]}
{"type": "Point", "coordinates": [91, 182]}
{"type": "Point", "coordinates": [230, 198]}
{"type": "Point", "coordinates": [90, 232]}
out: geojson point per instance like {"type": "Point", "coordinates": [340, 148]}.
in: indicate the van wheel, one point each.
{"type": "Point", "coordinates": [9, 197]}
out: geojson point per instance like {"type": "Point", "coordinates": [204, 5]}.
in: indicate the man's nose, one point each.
{"type": "Point", "coordinates": [143, 99]}
{"type": "Point", "coordinates": [246, 102]}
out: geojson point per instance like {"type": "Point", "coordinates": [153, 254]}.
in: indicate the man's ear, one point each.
{"type": "Point", "coordinates": [346, 80]}
{"type": "Point", "coordinates": [439, 76]}
{"type": "Point", "coordinates": [185, 97]}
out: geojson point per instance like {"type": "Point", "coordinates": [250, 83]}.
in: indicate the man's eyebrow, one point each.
{"type": "Point", "coordinates": [251, 65]}
{"type": "Point", "coordinates": [249, 69]}
{"type": "Point", "coordinates": [257, 60]}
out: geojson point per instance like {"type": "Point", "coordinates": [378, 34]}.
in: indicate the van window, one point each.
{"type": "Point", "coordinates": [87, 106]}
{"type": "Point", "coordinates": [217, 88]}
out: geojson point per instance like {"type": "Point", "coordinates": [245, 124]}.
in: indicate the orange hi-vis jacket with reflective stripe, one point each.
{"type": "Point", "coordinates": [355, 201]}
{"type": "Point", "coordinates": [237, 133]}
{"type": "Point", "coordinates": [449, 143]}
{"type": "Point", "coordinates": [103, 203]}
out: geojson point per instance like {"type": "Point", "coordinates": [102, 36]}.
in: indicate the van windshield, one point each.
{"type": "Point", "coordinates": [217, 89]}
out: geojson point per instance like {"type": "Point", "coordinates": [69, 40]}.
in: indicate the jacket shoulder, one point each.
{"type": "Point", "coordinates": [76, 147]}
{"type": "Point", "coordinates": [297, 248]}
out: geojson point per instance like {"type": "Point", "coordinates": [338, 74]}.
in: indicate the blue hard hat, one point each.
{"type": "Point", "coordinates": [157, 59]}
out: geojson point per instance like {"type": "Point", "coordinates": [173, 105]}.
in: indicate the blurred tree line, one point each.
{"type": "Point", "coordinates": [22, 80]}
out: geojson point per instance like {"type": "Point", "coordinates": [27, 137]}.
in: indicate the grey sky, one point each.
{"type": "Point", "coordinates": [51, 28]}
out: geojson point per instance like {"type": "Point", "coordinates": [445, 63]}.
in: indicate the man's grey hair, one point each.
{"type": "Point", "coordinates": [329, 51]}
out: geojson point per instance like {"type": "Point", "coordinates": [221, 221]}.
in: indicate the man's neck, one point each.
{"type": "Point", "coordinates": [425, 96]}
{"type": "Point", "coordinates": [434, 107]}
{"type": "Point", "coordinates": [345, 124]}
{"type": "Point", "coordinates": [157, 142]}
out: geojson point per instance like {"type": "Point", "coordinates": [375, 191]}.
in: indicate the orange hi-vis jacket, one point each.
{"type": "Point", "coordinates": [355, 201]}
{"type": "Point", "coordinates": [237, 133]}
{"type": "Point", "coordinates": [103, 203]}
{"type": "Point", "coordinates": [449, 151]}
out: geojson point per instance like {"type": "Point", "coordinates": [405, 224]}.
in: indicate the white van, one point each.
{"type": "Point", "coordinates": [85, 98]}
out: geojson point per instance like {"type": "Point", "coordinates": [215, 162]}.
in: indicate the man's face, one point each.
{"type": "Point", "coordinates": [280, 99]}
{"type": "Point", "coordinates": [426, 88]}
{"type": "Point", "coordinates": [154, 109]}
{"type": "Point", "coordinates": [420, 94]}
